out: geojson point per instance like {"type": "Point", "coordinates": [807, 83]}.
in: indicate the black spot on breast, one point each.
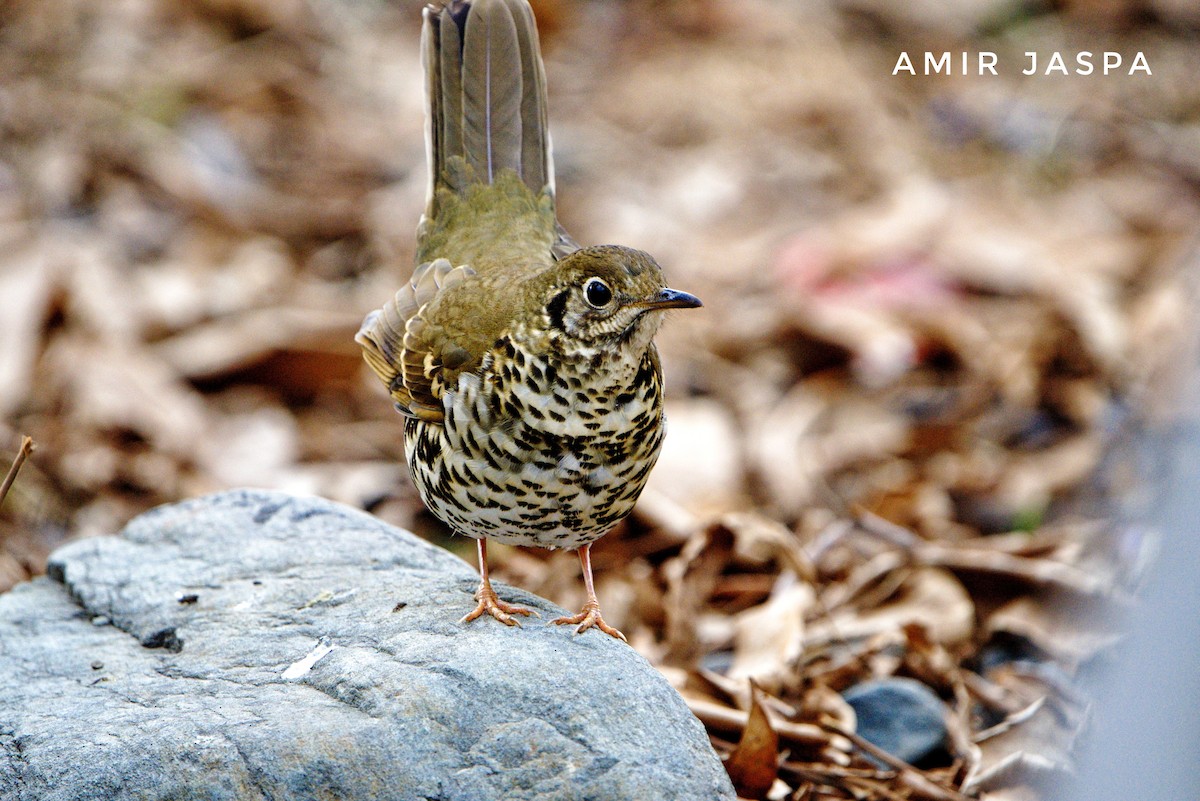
{"type": "Point", "coordinates": [469, 439]}
{"type": "Point", "coordinates": [639, 477]}
{"type": "Point", "coordinates": [427, 449]}
{"type": "Point", "coordinates": [645, 373]}
{"type": "Point", "coordinates": [489, 454]}
{"type": "Point", "coordinates": [645, 426]}
{"type": "Point", "coordinates": [609, 518]}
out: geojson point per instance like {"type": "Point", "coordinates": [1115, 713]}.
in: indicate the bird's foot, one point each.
{"type": "Point", "coordinates": [589, 617]}
{"type": "Point", "coordinates": [490, 603]}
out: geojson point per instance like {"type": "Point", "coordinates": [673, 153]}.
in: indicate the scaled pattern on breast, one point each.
{"type": "Point", "coordinates": [541, 452]}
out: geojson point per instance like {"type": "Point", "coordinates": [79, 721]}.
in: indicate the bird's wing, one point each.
{"type": "Point", "coordinates": [410, 356]}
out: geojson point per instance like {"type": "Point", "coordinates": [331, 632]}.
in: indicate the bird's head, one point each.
{"type": "Point", "coordinates": [607, 297]}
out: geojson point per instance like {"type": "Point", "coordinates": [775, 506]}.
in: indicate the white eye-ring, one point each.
{"type": "Point", "coordinates": [597, 293]}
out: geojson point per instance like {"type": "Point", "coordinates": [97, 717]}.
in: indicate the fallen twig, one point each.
{"type": "Point", "coordinates": [912, 778]}
{"type": "Point", "coordinates": [722, 718]}
{"type": "Point", "coordinates": [1009, 722]}
{"type": "Point", "coordinates": [23, 453]}
{"type": "Point", "coordinates": [1039, 572]}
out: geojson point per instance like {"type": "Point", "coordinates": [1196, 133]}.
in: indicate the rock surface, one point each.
{"type": "Point", "coordinates": [253, 645]}
{"type": "Point", "coordinates": [902, 716]}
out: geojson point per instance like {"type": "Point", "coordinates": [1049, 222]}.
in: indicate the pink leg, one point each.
{"type": "Point", "coordinates": [590, 616]}
{"type": "Point", "coordinates": [489, 602]}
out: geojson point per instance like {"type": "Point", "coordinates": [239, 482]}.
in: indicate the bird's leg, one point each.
{"type": "Point", "coordinates": [590, 616]}
{"type": "Point", "coordinates": [489, 602]}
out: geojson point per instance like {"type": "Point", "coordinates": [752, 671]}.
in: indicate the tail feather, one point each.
{"type": "Point", "coordinates": [491, 90]}
{"type": "Point", "coordinates": [537, 170]}
{"type": "Point", "coordinates": [486, 90]}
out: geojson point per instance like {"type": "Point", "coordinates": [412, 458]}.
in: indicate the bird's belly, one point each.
{"type": "Point", "coordinates": [554, 478]}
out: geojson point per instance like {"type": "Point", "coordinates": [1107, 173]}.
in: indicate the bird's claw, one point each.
{"type": "Point", "coordinates": [490, 603]}
{"type": "Point", "coordinates": [589, 617]}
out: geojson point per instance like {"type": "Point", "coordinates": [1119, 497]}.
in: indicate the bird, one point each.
{"type": "Point", "coordinates": [523, 363]}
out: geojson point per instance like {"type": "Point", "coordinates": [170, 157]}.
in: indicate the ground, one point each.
{"type": "Point", "coordinates": [911, 431]}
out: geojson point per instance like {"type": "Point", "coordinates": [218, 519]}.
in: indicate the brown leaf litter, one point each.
{"type": "Point", "coordinates": [905, 434]}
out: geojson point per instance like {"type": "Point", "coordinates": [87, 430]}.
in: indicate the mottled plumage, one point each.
{"type": "Point", "coordinates": [523, 363]}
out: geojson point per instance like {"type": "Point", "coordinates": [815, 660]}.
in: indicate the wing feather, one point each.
{"type": "Point", "coordinates": [401, 347]}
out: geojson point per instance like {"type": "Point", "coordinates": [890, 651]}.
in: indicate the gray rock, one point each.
{"type": "Point", "coordinates": [253, 645]}
{"type": "Point", "coordinates": [901, 716]}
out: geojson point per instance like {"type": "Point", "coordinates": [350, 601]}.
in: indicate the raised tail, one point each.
{"type": "Point", "coordinates": [486, 90]}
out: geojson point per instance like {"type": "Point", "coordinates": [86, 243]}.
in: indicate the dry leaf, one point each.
{"type": "Point", "coordinates": [1035, 750]}
{"type": "Point", "coordinates": [754, 764]}
{"type": "Point", "coordinates": [125, 388]}
{"type": "Point", "coordinates": [931, 598]}
{"type": "Point", "coordinates": [698, 467]}
{"type": "Point", "coordinates": [691, 577]}
{"type": "Point", "coordinates": [1071, 627]}
{"type": "Point", "coordinates": [956, 319]}
{"type": "Point", "coordinates": [27, 281]}
{"type": "Point", "coordinates": [769, 638]}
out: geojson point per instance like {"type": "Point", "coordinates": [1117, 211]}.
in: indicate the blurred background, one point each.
{"type": "Point", "coordinates": [913, 433]}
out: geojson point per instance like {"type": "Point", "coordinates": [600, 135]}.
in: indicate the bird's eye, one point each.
{"type": "Point", "coordinates": [597, 293]}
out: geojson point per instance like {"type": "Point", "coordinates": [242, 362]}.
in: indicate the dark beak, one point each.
{"type": "Point", "coordinates": [671, 299]}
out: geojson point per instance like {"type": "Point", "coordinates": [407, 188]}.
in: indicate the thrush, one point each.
{"type": "Point", "coordinates": [523, 363]}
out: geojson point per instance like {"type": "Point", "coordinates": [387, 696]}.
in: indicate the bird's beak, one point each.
{"type": "Point", "coordinates": [671, 299]}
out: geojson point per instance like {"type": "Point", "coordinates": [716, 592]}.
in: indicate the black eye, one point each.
{"type": "Point", "coordinates": [597, 293]}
